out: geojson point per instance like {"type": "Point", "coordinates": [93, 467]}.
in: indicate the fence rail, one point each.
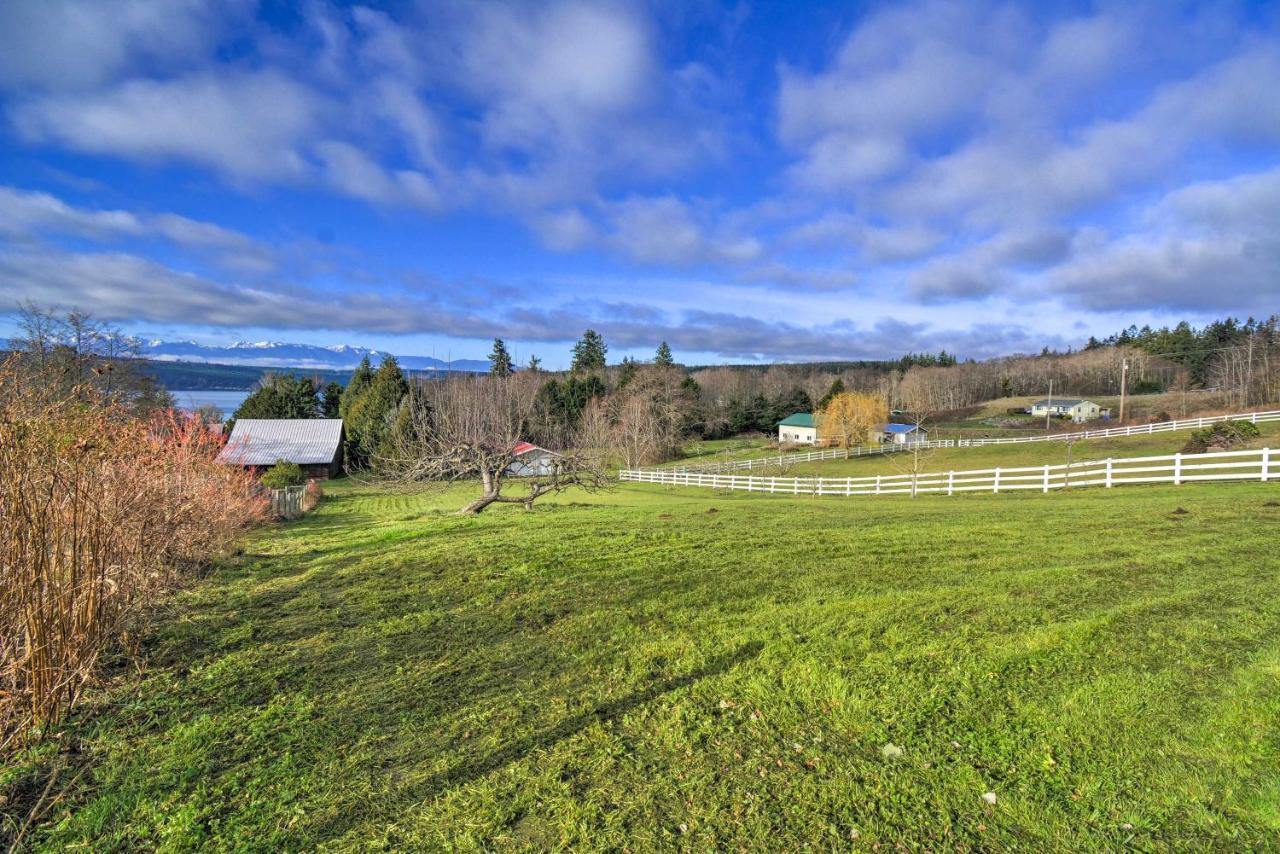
{"type": "Point", "coordinates": [869, 450]}
{"type": "Point", "coordinates": [1259, 465]}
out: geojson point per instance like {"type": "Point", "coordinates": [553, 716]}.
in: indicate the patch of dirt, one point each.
{"type": "Point", "coordinates": [712, 510]}
{"type": "Point", "coordinates": [1271, 504]}
{"type": "Point", "coordinates": [664, 515]}
{"type": "Point", "coordinates": [1181, 511]}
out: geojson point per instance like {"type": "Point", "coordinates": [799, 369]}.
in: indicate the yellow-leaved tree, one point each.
{"type": "Point", "coordinates": [850, 418]}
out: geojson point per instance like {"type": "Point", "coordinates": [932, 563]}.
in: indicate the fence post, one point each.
{"type": "Point", "coordinates": [997, 480]}
{"type": "Point", "coordinates": [1046, 477]}
{"type": "Point", "coordinates": [1266, 464]}
{"type": "Point", "coordinates": [1108, 472]}
{"type": "Point", "coordinates": [848, 486]}
{"type": "Point", "coordinates": [1177, 469]}
{"type": "Point", "coordinates": [878, 484]}
{"type": "Point", "coordinates": [951, 479]}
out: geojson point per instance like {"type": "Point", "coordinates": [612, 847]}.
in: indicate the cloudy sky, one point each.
{"type": "Point", "coordinates": [746, 181]}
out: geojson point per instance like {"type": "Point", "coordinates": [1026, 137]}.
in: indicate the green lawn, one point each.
{"type": "Point", "coordinates": [678, 669]}
{"type": "Point", "coordinates": [1017, 454]}
{"type": "Point", "coordinates": [719, 450]}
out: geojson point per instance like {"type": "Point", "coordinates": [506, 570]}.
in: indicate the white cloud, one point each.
{"type": "Point", "coordinates": [75, 44]}
{"type": "Point", "coordinates": [1210, 246]}
{"type": "Point", "coordinates": [350, 171]}
{"type": "Point", "coordinates": [26, 213]}
{"type": "Point", "coordinates": [551, 73]}
{"type": "Point", "coordinates": [901, 73]}
{"type": "Point", "coordinates": [665, 230]}
{"type": "Point", "coordinates": [841, 230]}
{"type": "Point", "coordinates": [1005, 177]}
{"type": "Point", "coordinates": [564, 230]}
{"type": "Point", "coordinates": [244, 124]}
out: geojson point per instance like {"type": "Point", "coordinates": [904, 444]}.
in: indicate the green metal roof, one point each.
{"type": "Point", "coordinates": [798, 419]}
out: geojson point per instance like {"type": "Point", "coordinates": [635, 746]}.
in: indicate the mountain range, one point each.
{"type": "Point", "coordinates": [279, 354]}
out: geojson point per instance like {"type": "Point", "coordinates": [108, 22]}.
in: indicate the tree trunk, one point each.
{"type": "Point", "coordinates": [479, 504]}
{"type": "Point", "coordinates": [492, 490]}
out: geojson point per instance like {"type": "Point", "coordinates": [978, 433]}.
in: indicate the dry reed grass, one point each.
{"type": "Point", "coordinates": [100, 513]}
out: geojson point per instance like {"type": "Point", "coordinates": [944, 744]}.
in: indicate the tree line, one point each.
{"type": "Point", "coordinates": [1240, 358]}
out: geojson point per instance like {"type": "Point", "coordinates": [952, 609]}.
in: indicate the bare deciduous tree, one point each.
{"type": "Point", "coordinates": [648, 416]}
{"type": "Point", "coordinates": [468, 429]}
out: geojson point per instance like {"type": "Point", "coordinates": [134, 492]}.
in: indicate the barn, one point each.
{"type": "Point", "coordinates": [903, 434]}
{"type": "Point", "coordinates": [533, 461]}
{"type": "Point", "coordinates": [315, 444]}
{"type": "Point", "coordinates": [798, 428]}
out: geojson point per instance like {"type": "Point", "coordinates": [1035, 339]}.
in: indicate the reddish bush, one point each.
{"type": "Point", "coordinates": [100, 512]}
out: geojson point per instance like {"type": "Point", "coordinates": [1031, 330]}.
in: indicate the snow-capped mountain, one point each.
{"type": "Point", "coordinates": [280, 354]}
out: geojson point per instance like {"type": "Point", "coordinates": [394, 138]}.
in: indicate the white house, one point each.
{"type": "Point", "coordinates": [1075, 409]}
{"type": "Point", "coordinates": [903, 434]}
{"type": "Point", "coordinates": [533, 461]}
{"type": "Point", "coordinates": [798, 429]}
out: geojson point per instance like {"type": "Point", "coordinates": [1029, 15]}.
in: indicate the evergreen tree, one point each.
{"type": "Point", "coordinates": [500, 360]}
{"type": "Point", "coordinates": [663, 357]}
{"type": "Point", "coordinates": [837, 387]}
{"type": "Point", "coordinates": [577, 392]}
{"type": "Point", "coordinates": [589, 353]}
{"type": "Point", "coordinates": [796, 400]}
{"type": "Point", "coordinates": [332, 405]}
{"type": "Point", "coordinates": [535, 364]}
{"type": "Point", "coordinates": [280, 396]}
{"type": "Point", "coordinates": [370, 417]}
{"type": "Point", "coordinates": [750, 415]}
{"type": "Point", "coordinates": [359, 382]}
{"type": "Point", "coordinates": [627, 371]}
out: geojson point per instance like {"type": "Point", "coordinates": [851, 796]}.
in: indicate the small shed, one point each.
{"type": "Point", "coordinates": [798, 428]}
{"type": "Point", "coordinates": [1074, 408]}
{"type": "Point", "coordinates": [903, 434]}
{"type": "Point", "coordinates": [533, 461]}
{"type": "Point", "coordinates": [315, 444]}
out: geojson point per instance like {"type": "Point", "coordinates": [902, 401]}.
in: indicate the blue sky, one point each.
{"type": "Point", "coordinates": [746, 181]}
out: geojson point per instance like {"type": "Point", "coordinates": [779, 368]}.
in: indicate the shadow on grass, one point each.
{"type": "Point", "coordinates": [473, 769]}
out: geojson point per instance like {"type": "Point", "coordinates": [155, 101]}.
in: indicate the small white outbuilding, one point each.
{"type": "Point", "coordinates": [533, 461]}
{"type": "Point", "coordinates": [798, 429]}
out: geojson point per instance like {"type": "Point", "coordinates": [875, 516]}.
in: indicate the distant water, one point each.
{"type": "Point", "coordinates": [192, 399]}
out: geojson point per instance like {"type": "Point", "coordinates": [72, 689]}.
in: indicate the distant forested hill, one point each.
{"type": "Point", "coordinates": [206, 376]}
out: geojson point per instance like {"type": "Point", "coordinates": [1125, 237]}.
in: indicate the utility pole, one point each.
{"type": "Point", "coordinates": [1248, 378]}
{"type": "Point", "coordinates": [1048, 410]}
{"type": "Point", "coordinates": [1124, 375]}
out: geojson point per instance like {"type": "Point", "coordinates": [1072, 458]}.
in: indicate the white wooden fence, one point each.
{"type": "Point", "coordinates": [888, 448]}
{"type": "Point", "coordinates": [1260, 465]}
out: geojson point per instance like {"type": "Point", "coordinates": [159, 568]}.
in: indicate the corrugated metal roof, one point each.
{"type": "Point", "coordinates": [901, 428]}
{"type": "Point", "coordinates": [523, 448]}
{"type": "Point", "coordinates": [799, 419]}
{"type": "Point", "coordinates": [1058, 401]}
{"type": "Point", "coordinates": [262, 441]}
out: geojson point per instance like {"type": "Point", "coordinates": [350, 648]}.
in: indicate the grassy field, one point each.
{"type": "Point", "coordinates": [1019, 454]}
{"type": "Point", "coordinates": [648, 669]}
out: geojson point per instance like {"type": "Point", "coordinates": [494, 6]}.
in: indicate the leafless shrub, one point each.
{"type": "Point", "coordinates": [99, 512]}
